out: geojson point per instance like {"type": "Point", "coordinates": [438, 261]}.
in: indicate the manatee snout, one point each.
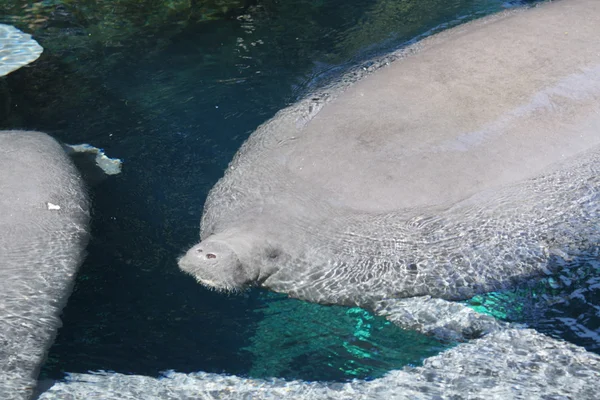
{"type": "Point", "coordinates": [216, 265]}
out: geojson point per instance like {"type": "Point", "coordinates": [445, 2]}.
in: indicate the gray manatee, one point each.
{"type": "Point", "coordinates": [44, 218]}
{"type": "Point", "coordinates": [469, 164]}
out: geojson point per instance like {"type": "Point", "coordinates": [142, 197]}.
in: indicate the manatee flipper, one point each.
{"type": "Point", "coordinates": [93, 164]}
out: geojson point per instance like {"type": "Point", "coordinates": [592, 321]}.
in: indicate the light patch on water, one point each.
{"type": "Point", "coordinates": [16, 49]}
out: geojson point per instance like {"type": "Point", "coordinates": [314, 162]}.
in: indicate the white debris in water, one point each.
{"type": "Point", "coordinates": [16, 49]}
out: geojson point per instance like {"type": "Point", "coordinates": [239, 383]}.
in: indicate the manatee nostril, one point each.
{"type": "Point", "coordinates": [211, 255]}
{"type": "Point", "coordinates": [199, 250]}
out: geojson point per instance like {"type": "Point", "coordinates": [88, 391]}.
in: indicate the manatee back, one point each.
{"type": "Point", "coordinates": [483, 105]}
{"type": "Point", "coordinates": [44, 217]}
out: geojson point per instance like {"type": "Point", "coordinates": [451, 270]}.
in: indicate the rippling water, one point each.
{"type": "Point", "coordinates": [564, 306]}
{"type": "Point", "coordinates": [174, 90]}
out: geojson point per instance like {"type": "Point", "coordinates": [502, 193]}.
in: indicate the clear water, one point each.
{"type": "Point", "coordinates": [173, 88]}
{"type": "Point", "coordinates": [565, 305]}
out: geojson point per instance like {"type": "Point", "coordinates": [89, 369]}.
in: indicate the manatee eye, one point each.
{"type": "Point", "coordinates": [273, 254]}
{"type": "Point", "coordinates": [211, 255]}
{"type": "Point", "coordinates": [199, 250]}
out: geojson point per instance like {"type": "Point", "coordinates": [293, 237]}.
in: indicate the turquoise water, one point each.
{"type": "Point", "coordinates": [174, 90]}
{"type": "Point", "coordinates": [565, 305]}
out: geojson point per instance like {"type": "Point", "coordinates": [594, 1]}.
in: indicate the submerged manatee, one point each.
{"type": "Point", "coordinates": [44, 218]}
{"type": "Point", "coordinates": [468, 166]}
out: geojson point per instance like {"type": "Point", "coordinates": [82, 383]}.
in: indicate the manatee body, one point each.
{"type": "Point", "coordinates": [465, 167]}
{"type": "Point", "coordinates": [44, 218]}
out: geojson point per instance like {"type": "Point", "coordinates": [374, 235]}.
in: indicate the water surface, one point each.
{"type": "Point", "coordinates": [174, 90]}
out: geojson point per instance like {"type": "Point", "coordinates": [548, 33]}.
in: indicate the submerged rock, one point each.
{"type": "Point", "coordinates": [505, 364]}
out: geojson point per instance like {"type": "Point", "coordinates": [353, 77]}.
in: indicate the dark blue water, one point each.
{"type": "Point", "coordinates": [174, 92]}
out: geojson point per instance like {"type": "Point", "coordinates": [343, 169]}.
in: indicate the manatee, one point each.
{"type": "Point", "coordinates": [468, 165]}
{"type": "Point", "coordinates": [44, 229]}
{"type": "Point", "coordinates": [44, 222]}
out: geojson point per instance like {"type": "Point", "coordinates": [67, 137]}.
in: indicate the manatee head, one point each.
{"type": "Point", "coordinates": [227, 262]}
